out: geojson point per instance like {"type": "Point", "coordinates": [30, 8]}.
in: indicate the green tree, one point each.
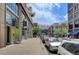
{"type": "Point", "coordinates": [31, 12]}
{"type": "Point", "coordinates": [36, 29]}
{"type": "Point", "coordinates": [64, 31]}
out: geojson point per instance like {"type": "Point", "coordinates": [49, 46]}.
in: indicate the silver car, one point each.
{"type": "Point", "coordinates": [69, 48]}
{"type": "Point", "coordinates": [52, 43]}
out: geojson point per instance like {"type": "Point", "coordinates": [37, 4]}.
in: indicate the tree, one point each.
{"type": "Point", "coordinates": [36, 29]}
{"type": "Point", "coordinates": [65, 31]}
{"type": "Point", "coordinates": [31, 12]}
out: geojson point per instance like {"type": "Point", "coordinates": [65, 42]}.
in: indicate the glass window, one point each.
{"type": "Point", "coordinates": [13, 20]}
{"type": "Point", "coordinates": [53, 39]}
{"type": "Point", "coordinates": [76, 23]}
{"type": "Point", "coordinates": [8, 18]}
{"type": "Point", "coordinates": [76, 14]}
{"type": "Point", "coordinates": [70, 17]}
{"type": "Point", "coordinates": [70, 5]}
{"type": "Point", "coordinates": [70, 26]}
{"type": "Point", "coordinates": [14, 7]}
{"type": "Point", "coordinates": [9, 5]}
{"type": "Point", "coordinates": [24, 23]}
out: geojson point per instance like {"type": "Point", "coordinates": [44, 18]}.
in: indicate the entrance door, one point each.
{"type": "Point", "coordinates": [8, 35]}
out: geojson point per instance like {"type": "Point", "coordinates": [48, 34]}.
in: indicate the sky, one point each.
{"type": "Point", "coordinates": [49, 13]}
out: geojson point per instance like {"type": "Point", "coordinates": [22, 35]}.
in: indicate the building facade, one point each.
{"type": "Point", "coordinates": [50, 31]}
{"type": "Point", "coordinates": [60, 29]}
{"type": "Point", "coordinates": [15, 20]}
{"type": "Point", "coordinates": [73, 20]}
{"type": "Point", "coordinates": [44, 29]}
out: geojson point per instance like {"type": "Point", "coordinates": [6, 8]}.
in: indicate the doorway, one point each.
{"type": "Point", "coordinates": [8, 42]}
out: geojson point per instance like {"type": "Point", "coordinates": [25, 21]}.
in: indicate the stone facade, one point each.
{"type": "Point", "coordinates": [3, 26]}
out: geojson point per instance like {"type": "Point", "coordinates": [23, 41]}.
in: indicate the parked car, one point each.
{"type": "Point", "coordinates": [69, 48]}
{"type": "Point", "coordinates": [52, 43]}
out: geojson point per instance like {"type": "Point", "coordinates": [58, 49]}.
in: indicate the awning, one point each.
{"type": "Point", "coordinates": [77, 22]}
{"type": "Point", "coordinates": [76, 32]}
{"type": "Point", "coordinates": [70, 33]}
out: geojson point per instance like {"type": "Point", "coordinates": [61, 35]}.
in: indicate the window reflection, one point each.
{"type": "Point", "coordinates": [11, 19]}
{"type": "Point", "coordinates": [14, 7]}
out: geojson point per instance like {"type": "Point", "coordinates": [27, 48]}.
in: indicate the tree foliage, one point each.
{"type": "Point", "coordinates": [31, 12]}
{"type": "Point", "coordinates": [36, 29]}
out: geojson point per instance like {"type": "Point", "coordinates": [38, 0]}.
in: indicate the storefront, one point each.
{"type": "Point", "coordinates": [12, 22]}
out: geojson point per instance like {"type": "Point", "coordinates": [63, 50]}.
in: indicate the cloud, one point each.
{"type": "Point", "coordinates": [66, 17]}
{"type": "Point", "coordinates": [58, 5]}
{"type": "Point", "coordinates": [43, 14]}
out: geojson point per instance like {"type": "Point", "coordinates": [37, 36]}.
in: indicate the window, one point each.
{"type": "Point", "coordinates": [70, 26]}
{"type": "Point", "coordinates": [13, 20]}
{"type": "Point", "coordinates": [76, 23]}
{"type": "Point", "coordinates": [24, 23]}
{"type": "Point", "coordinates": [70, 11]}
{"type": "Point", "coordinates": [76, 7]}
{"type": "Point", "coordinates": [11, 11]}
{"type": "Point", "coordinates": [76, 15]}
{"type": "Point", "coordinates": [72, 48]}
{"type": "Point", "coordinates": [70, 5]}
{"type": "Point", "coordinates": [8, 18]}
{"type": "Point", "coordinates": [9, 5]}
{"type": "Point", "coordinates": [14, 7]}
{"type": "Point", "coordinates": [70, 17]}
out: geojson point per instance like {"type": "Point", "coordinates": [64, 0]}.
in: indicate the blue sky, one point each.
{"type": "Point", "coordinates": [49, 13]}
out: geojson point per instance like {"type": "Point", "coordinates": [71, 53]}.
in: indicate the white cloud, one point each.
{"type": "Point", "coordinates": [58, 5]}
{"type": "Point", "coordinates": [66, 17]}
{"type": "Point", "coordinates": [42, 15]}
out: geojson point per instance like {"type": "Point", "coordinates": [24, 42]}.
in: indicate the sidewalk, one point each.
{"type": "Point", "coordinates": [32, 46]}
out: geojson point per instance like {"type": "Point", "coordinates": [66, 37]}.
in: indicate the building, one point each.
{"type": "Point", "coordinates": [60, 29]}
{"type": "Point", "coordinates": [14, 20]}
{"type": "Point", "coordinates": [44, 29]}
{"type": "Point", "coordinates": [51, 31]}
{"type": "Point", "coordinates": [73, 20]}
{"type": "Point", "coordinates": [56, 26]}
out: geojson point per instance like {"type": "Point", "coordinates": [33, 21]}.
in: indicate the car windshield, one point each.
{"type": "Point", "coordinates": [53, 40]}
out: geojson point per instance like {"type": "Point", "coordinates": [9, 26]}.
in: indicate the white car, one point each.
{"type": "Point", "coordinates": [69, 48]}
{"type": "Point", "coordinates": [52, 43]}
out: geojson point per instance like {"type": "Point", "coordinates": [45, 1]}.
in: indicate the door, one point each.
{"type": "Point", "coordinates": [8, 35]}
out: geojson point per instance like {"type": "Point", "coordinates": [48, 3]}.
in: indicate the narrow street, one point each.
{"type": "Point", "coordinates": [32, 46]}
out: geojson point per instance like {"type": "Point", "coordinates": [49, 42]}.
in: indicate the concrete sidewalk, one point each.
{"type": "Point", "coordinates": [30, 46]}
